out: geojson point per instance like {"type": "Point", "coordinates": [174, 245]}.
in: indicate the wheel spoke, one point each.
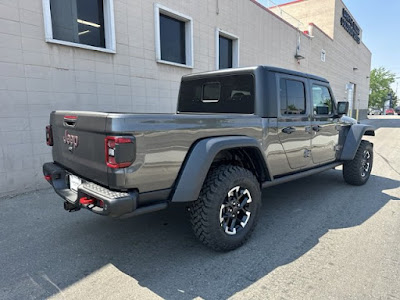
{"type": "Point", "coordinates": [227, 216]}
{"type": "Point", "coordinates": [240, 198]}
{"type": "Point", "coordinates": [222, 213]}
{"type": "Point", "coordinates": [233, 192]}
{"type": "Point", "coordinates": [244, 223]}
{"type": "Point", "coordinates": [246, 198]}
{"type": "Point", "coordinates": [225, 226]}
{"type": "Point", "coordinates": [244, 202]}
{"type": "Point", "coordinates": [232, 226]}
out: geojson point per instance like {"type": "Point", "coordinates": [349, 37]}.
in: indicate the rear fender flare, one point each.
{"type": "Point", "coordinates": [353, 140]}
{"type": "Point", "coordinates": [199, 160]}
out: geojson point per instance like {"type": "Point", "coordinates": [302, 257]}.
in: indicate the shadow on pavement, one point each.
{"type": "Point", "coordinates": [161, 253]}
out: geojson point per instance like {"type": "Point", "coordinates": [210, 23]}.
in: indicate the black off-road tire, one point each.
{"type": "Point", "coordinates": [356, 172]}
{"type": "Point", "coordinates": [206, 211]}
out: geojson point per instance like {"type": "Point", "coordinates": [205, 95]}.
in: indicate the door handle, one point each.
{"type": "Point", "coordinates": [316, 128]}
{"type": "Point", "coordinates": [288, 130]}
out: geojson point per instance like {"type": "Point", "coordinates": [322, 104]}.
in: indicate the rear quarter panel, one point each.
{"type": "Point", "coordinates": [164, 140]}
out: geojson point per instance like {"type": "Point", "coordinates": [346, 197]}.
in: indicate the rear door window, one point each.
{"type": "Point", "coordinates": [292, 97]}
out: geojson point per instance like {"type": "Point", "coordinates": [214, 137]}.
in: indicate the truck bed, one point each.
{"type": "Point", "coordinates": [162, 142]}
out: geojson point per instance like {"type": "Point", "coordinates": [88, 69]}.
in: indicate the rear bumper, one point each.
{"type": "Point", "coordinates": [115, 204]}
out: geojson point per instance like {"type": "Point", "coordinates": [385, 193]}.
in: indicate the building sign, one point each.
{"type": "Point", "coordinates": [350, 26]}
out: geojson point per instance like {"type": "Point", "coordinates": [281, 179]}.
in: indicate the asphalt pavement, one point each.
{"type": "Point", "coordinates": [317, 238]}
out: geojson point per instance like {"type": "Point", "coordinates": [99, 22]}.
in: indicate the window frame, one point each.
{"type": "Point", "coordinates": [109, 29]}
{"type": "Point", "coordinates": [210, 100]}
{"type": "Point", "coordinates": [161, 9]}
{"type": "Point", "coordinates": [235, 47]}
{"type": "Point", "coordinates": [304, 81]}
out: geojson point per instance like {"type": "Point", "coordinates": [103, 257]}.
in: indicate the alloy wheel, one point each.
{"type": "Point", "coordinates": [235, 210]}
{"type": "Point", "coordinates": [365, 163]}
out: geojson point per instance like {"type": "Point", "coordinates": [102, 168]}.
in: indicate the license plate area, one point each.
{"type": "Point", "coordinates": [74, 182]}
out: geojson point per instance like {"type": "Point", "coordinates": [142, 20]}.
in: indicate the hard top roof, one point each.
{"type": "Point", "coordinates": [246, 70]}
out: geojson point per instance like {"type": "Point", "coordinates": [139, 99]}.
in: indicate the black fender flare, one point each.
{"type": "Point", "coordinates": [199, 160]}
{"type": "Point", "coordinates": [353, 140]}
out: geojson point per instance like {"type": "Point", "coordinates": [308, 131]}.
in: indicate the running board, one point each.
{"type": "Point", "coordinates": [299, 175]}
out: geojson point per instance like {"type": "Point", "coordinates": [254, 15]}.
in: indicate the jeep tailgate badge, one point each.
{"type": "Point", "coordinates": [70, 139]}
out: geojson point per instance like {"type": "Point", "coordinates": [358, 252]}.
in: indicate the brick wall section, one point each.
{"type": "Point", "coordinates": [37, 77]}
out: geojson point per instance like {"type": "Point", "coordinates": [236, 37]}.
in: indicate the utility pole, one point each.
{"type": "Point", "coordinates": [397, 85]}
{"type": "Point", "coordinates": [390, 99]}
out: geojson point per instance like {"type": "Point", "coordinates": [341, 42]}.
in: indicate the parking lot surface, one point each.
{"type": "Point", "coordinates": [317, 238]}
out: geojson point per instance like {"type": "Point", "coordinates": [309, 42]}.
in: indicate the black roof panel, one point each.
{"type": "Point", "coordinates": [243, 70]}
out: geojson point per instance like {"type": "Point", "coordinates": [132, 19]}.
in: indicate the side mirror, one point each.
{"type": "Point", "coordinates": [342, 107]}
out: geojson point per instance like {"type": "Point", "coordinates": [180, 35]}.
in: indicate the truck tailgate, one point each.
{"type": "Point", "coordinates": [79, 143]}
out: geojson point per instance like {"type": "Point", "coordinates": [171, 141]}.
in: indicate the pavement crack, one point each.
{"type": "Point", "coordinates": [387, 161]}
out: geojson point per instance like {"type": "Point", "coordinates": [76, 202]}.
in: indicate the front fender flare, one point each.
{"type": "Point", "coordinates": [198, 163]}
{"type": "Point", "coordinates": [353, 140]}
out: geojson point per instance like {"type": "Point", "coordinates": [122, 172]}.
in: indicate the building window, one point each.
{"type": "Point", "coordinates": [227, 50]}
{"type": "Point", "coordinates": [81, 23]}
{"type": "Point", "coordinates": [225, 53]}
{"type": "Point", "coordinates": [292, 97]}
{"type": "Point", "coordinates": [323, 55]}
{"type": "Point", "coordinates": [174, 37]}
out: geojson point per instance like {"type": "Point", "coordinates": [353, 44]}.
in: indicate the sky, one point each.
{"type": "Point", "coordinates": [380, 23]}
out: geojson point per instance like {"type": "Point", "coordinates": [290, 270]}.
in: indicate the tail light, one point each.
{"type": "Point", "coordinates": [49, 135]}
{"type": "Point", "coordinates": [119, 151]}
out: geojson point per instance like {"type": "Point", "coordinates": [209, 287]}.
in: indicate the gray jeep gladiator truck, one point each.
{"type": "Point", "coordinates": [235, 132]}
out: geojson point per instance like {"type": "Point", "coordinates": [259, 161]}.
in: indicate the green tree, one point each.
{"type": "Point", "coordinates": [395, 99]}
{"type": "Point", "coordinates": [380, 81]}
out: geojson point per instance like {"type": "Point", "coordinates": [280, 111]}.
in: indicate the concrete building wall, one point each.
{"type": "Point", "coordinates": [357, 66]}
{"type": "Point", "coordinates": [319, 12]}
{"type": "Point", "coordinates": [37, 77]}
{"type": "Point", "coordinates": [346, 61]}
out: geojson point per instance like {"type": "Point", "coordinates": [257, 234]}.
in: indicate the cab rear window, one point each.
{"type": "Point", "coordinates": [222, 94]}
